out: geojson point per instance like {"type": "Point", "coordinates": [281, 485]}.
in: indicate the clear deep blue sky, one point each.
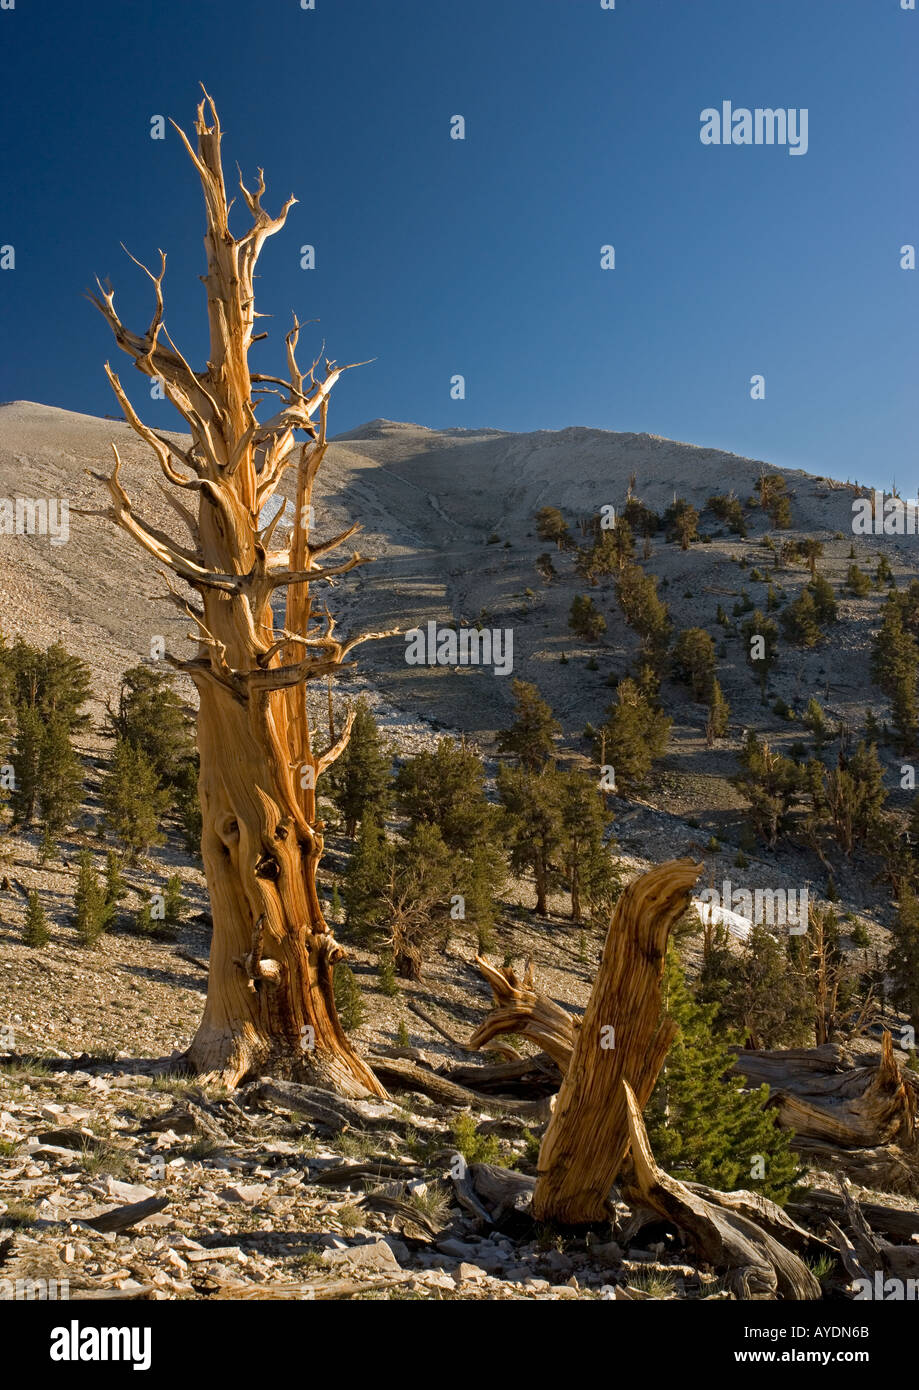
{"type": "Point", "coordinates": [482, 257]}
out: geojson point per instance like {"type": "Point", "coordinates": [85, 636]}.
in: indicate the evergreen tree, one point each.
{"type": "Point", "coordinates": [589, 873]}
{"type": "Point", "coordinates": [89, 901]}
{"type": "Point", "coordinates": [60, 777]}
{"type": "Point", "coordinates": [644, 611]}
{"type": "Point", "coordinates": [719, 711]}
{"type": "Point", "coordinates": [132, 799]}
{"type": "Point", "coordinates": [531, 737]}
{"type": "Point", "coordinates": [771, 783]}
{"type": "Point", "coordinates": [728, 509]}
{"type": "Point", "coordinates": [773, 499]}
{"type": "Point", "coordinates": [446, 788]}
{"type": "Point", "coordinates": [531, 802]}
{"type": "Point", "coordinates": [585, 619]}
{"type": "Point", "coordinates": [903, 957]}
{"type": "Point", "coordinates": [682, 522]}
{"type": "Point", "coordinates": [552, 526]}
{"type": "Point", "coordinates": [36, 928]}
{"type": "Point", "coordinates": [26, 754]}
{"type": "Point", "coordinates": [821, 590]}
{"type": "Point", "coordinates": [153, 716]}
{"type": "Point", "coordinates": [763, 992]}
{"type": "Point", "coordinates": [857, 582]}
{"type": "Point", "coordinates": [703, 1125]}
{"type": "Point", "coordinates": [359, 778]}
{"type": "Point", "coordinates": [174, 902]}
{"type": "Point", "coordinates": [894, 665]}
{"type": "Point", "coordinates": [694, 662]}
{"type": "Point", "coordinates": [114, 889]}
{"type": "Point", "coordinates": [633, 736]}
{"type": "Point", "coordinates": [800, 620]}
{"type": "Point", "coordinates": [423, 879]}
{"type": "Point", "coordinates": [367, 878]}
{"type": "Point", "coordinates": [349, 1002]}
{"type": "Point", "coordinates": [761, 638]}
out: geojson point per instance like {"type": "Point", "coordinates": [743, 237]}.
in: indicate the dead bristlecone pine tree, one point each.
{"type": "Point", "coordinates": [270, 1005]}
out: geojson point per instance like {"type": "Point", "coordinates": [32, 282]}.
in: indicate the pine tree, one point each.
{"type": "Point", "coordinates": [728, 509]}
{"type": "Point", "coordinates": [114, 889]}
{"type": "Point", "coordinates": [763, 992]}
{"type": "Point", "coordinates": [682, 522]}
{"type": "Point", "coordinates": [89, 901]}
{"type": "Point", "coordinates": [367, 877]}
{"type": "Point", "coordinates": [60, 777]}
{"type": "Point", "coordinates": [585, 619]}
{"type": "Point", "coordinates": [633, 736]}
{"type": "Point", "coordinates": [152, 715]}
{"type": "Point", "coordinates": [349, 1001]}
{"type": "Point", "coordinates": [423, 878]}
{"type": "Point", "coordinates": [821, 590]}
{"type": "Point", "coordinates": [774, 500]}
{"type": "Point", "coordinates": [26, 752]}
{"type": "Point", "coordinates": [894, 664]}
{"type": "Point", "coordinates": [719, 712]}
{"type": "Point", "coordinates": [531, 737]}
{"type": "Point", "coordinates": [531, 802]}
{"type": "Point", "coordinates": [552, 526]}
{"type": "Point", "coordinates": [771, 784]}
{"type": "Point", "coordinates": [588, 869]}
{"type": "Point", "coordinates": [132, 799]}
{"type": "Point", "coordinates": [800, 621]}
{"type": "Point", "coordinates": [903, 956]}
{"type": "Point", "coordinates": [359, 778]}
{"type": "Point", "coordinates": [694, 662]}
{"type": "Point", "coordinates": [761, 638]}
{"type": "Point", "coordinates": [175, 902]}
{"type": "Point", "coordinates": [36, 928]}
{"type": "Point", "coordinates": [857, 581]}
{"type": "Point", "coordinates": [704, 1126]}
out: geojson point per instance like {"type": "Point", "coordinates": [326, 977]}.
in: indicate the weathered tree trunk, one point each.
{"type": "Point", "coordinates": [845, 1107]}
{"type": "Point", "coordinates": [270, 1005]}
{"type": "Point", "coordinates": [621, 1038]}
{"type": "Point", "coordinates": [758, 1266]}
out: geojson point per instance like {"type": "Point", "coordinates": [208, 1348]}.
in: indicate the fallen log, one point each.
{"type": "Point", "coordinates": [756, 1265]}
{"type": "Point", "coordinates": [892, 1222]}
{"type": "Point", "coordinates": [121, 1218]}
{"type": "Point", "coordinates": [324, 1107]}
{"type": "Point", "coordinates": [538, 1075]}
{"type": "Point", "coordinates": [866, 1255]}
{"type": "Point", "coordinates": [828, 1103]}
{"type": "Point", "coordinates": [622, 1037]}
{"type": "Point", "coordinates": [397, 1072]}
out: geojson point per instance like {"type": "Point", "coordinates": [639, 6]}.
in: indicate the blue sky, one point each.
{"type": "Point", "coordinates": [482, 257]}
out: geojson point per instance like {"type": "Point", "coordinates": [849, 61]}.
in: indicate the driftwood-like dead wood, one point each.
{"type": "Point", "coordinates": [537, 1076]}
{"type": "Point", "coordinates": [400, 1073]}
{"type": "Point", "coordinates": [121, 1218]}
{"type": "Point", "coordinates": [867, 1257]}
{"type": "Point", "coordinates": [846, 1107]}
{"type": "Point", "coordinates": [755, 1264]}
{"type": "Point", "coordinates": [622, 1038]}
{"type": "Point", "coordinates": [502, 1191]}
{"type": "Point", "coordinates": [768, 1215]}
{"type": "Point", "coordinates": [346, 1173]}
{"type": "Point", "coordinates": [520, 1008]}
{"type": "Point", "coordinates": [895, 1223]}
{"type": "Point", "coordinates": [324, 1107]}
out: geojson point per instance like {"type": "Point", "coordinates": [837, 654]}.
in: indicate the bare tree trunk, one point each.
{"type": "Point", "coordinates": [270, 1005]}
{"type": "Point", "coordinates": [621, 1038]}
